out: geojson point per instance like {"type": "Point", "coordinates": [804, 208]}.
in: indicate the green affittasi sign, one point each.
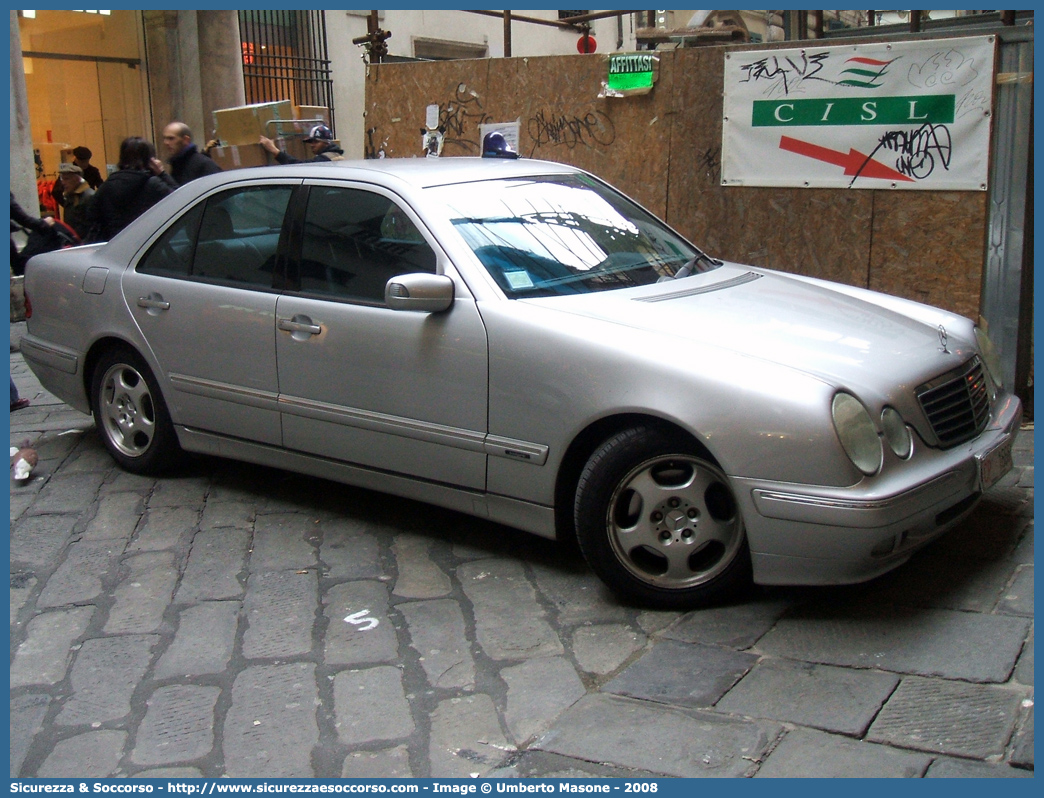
{"type": "Point", "coordinates": [632, 73]}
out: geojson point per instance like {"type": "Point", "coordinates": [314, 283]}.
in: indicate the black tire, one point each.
{"type": "Point", "coordinates": [657, 522]}
{"type": "Point", "coordinates": [131, 415]}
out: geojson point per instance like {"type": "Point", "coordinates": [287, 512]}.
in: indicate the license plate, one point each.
{"type": "Point", "coordinates": [994, 464]}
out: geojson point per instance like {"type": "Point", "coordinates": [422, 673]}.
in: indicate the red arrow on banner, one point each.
{"type": "Point", "coordinates": [854, 163]}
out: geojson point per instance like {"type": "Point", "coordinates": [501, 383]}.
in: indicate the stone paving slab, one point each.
{"type": "Point", "coordinates": [359, 630]}
{"type": "Point", "coordinates": [349, 551]}
{"type": "Point", "coordinates": [1018, 599]}
{"type": "Point", "coordinates": [510, 623]}
{"type": "Point", "coordinates": [419, 577]}
{"type": "Point", "coordinates": [27, 716]}
{"type": "Point", "coordinates": [280, 610]}
{"type": "Point", "coordinates": [22, 587]}
{"type": "Point", "coordinates": [96, 752]}
{"type": "Point", "coordinates": [945, 582]}
{"type": "Point", "coordinates": [948, 718]}
{"type": "Point", "coordinates": [683, 674]}
{"type": "Point", "coordinates": [603, 648]}
{"type": "Point", "coordinates": [283, 542]}
{"type": "Point", "coordinates": [37, 540]}
{"type": "Point", "coordinates": [538, 691]}
{"type": "Point", "coordinates": [43, 656]}
{"type": "Point", "coordinates": [926, 642]}
{"type": "Point", "coordinates": [143, 595]}
{"type": "Point", "coordinates": [637, 734]}
{"type": "Point", "coordinates": [834, 699]}
{"type": "Point", "coordinates": [439, 636]}
{"type": "Point", "coordinates": [737, 626]}
{"type": "Point", "coordinates": [806, 753]}
{"type": "Point", "coordinates": [969, 769]}
{"type": "Point", "coordinates": [117, 517]}
{"type": "Point", "coordinates": [1022, 745]}
{"type": "Point", "coordinates": [390, 763]}
{"type": "Point", "coordinates": [80, 578]}
{"type": "Point", "coordinates": [217, 559]}
{"type": "Point", "coordinates": [371, 705]}
{"type": "Point", "coordinates": [271, 726]}
{"type": "Point", "coordinates": [103, 678]}
{"type": "Point", "coordinates": [178, 725]}
{"type": "Point", "coordinates": [204, 641]}
{"type": "Point", "coordinates": [466, 739]}
{"type": "Point", "coordinates": [1024, 670]}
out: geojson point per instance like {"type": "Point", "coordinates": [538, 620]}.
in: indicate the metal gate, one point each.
{"type": "Point", "coordinates": [285, 58]}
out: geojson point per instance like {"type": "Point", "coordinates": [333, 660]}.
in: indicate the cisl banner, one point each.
{"type": "Point", "coordinates": [904, 115]}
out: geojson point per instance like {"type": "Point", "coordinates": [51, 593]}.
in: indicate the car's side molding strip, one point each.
{"type": "Point", "coordinates": [455, 437]}
{"type": "Point", "coordinates": [224, 391]}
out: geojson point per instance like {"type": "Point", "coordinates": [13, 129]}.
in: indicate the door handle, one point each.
{"type": "Point", "coordinates": [149, 302]}
{"type": "Point", "coordinates": [291, 326]}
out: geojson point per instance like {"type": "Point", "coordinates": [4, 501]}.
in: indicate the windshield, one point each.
{"type": "Point", "coordinates": [564, 234]}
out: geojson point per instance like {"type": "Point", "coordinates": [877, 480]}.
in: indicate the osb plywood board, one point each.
{"type": "Point", "coordinates": [625, 141]}
{"type": "Point", "coordinates": [397, 96]}
{"type": "Point", "coordinates": [813, 232]}
{"type": "Point", "coordinates": [664, 149]}
{"type": "Point", "coordinates": [929, 246]}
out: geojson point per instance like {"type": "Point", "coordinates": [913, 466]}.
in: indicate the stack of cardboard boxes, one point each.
{"type": "Point", "coordinates": [239, 129]}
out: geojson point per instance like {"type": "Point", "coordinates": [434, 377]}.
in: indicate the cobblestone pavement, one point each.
{"type": "Point", "coordinates": [242, 621]}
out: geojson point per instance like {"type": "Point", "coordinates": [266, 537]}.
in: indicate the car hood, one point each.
{"type": "Point", "coordinates": [832, 332]}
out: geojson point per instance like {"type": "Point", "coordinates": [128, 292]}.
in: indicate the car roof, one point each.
{"type": "Point", "coordinates": [427, 172]}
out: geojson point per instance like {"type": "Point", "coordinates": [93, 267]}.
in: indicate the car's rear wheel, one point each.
{"type": "Point", "coordinates": [130, 413]}
{"type": "Point", "coordinates": [658, 521]}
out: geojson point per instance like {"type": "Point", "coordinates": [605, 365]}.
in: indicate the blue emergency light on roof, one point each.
{"type": "Point", "coordinates": [494, 145]}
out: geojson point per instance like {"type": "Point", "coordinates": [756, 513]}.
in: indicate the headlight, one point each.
{"type": "Point", "coordinates": [896, 433]}
{"type": "Point", "coordinates": [990, 358]}
{"type": "Point", "coordinates": [857, 433]}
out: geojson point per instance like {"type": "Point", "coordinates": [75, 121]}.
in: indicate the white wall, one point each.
{"type": "Point", "coordinates": [527, 39]}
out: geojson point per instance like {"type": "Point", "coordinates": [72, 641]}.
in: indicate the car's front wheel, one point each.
{"type": "Point", "coordinates": [130, 413]}
{"type": "Point", "coordinates": [658, 522]}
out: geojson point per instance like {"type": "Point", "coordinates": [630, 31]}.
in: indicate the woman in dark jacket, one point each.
{"type": "Point", "coordinates": [137, 185]}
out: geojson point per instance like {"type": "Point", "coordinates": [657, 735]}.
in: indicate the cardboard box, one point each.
{"type": "Point", "coordinates": [312, 112]}
{"type": "Point", "coordinates": [295, 147]}
{"type": "Point", "coordinates": [245, 124]}
{"type": "Point", "coordinates": [241, 156]}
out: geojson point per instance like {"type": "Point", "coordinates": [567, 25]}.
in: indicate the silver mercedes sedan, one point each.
{"type": "Point", "coordinates": [517, 340]}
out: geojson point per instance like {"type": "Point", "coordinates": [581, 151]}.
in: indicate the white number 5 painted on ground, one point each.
{"type": "Point", "coordinates": [359, 619]}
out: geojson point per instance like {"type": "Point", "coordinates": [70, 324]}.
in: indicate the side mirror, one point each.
{"type": "Point", "coordinates": [429, 293]}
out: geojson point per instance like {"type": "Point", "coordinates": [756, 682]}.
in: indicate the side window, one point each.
{"type": "Point", "coordinates": [239, 235]}
{"type": "Point", "coordinates": [355, 241]}
{"type": "Point", "coordinates": [171, 256]}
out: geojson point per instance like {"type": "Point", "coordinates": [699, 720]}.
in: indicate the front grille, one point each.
{"type": "Point", "coordinates": [957, 404]}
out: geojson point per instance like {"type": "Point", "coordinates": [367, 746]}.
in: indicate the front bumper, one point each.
{"type": "Point", "coordinates": [800, 534]}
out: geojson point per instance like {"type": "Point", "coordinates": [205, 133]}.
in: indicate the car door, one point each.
{"type": "Point", "coordinates": [400, 391]}
{"type": "Point", "coordinates": [204, 297]}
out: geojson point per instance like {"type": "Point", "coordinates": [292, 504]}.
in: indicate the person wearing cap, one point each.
{"type": "Point", "coordinates": [82, 158]}
{"type": "Point", "coordinates": [76, 195]}
{"type": "Point", "coordinates": [320, 141]}
{"type": "Point", "coordinates": [186, 162]}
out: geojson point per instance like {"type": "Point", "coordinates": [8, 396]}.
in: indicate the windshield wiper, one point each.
{"type": "Point", "coordinates": [694, 266]}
